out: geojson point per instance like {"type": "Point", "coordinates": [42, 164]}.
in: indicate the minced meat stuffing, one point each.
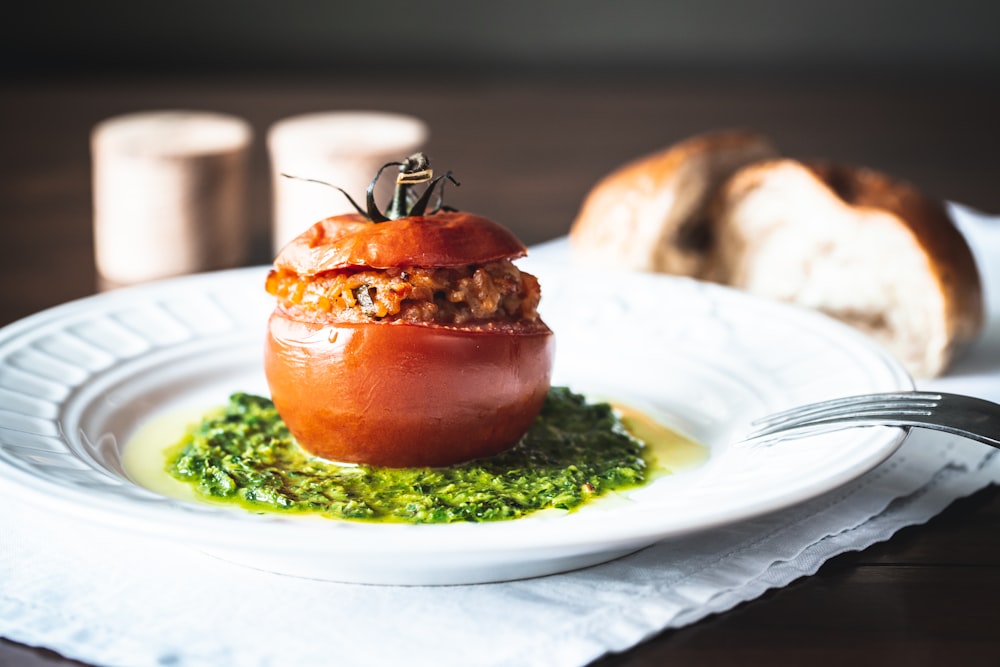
{"type": "Point", "coordinates": [492, 292]}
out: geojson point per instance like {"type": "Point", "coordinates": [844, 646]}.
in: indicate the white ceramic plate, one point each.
{"type": "Point", "coordinates": [77, 381]}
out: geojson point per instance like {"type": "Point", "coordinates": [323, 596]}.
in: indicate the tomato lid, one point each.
{"type": "Point", "coordinates": [444, 239]}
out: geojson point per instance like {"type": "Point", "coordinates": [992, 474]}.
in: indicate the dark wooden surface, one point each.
{"type": "Point", "coordinates": [526, 152]}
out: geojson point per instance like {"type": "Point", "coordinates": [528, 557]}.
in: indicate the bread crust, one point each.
{"type": "Point", "coordinates": [948, 251]}
{"type": "Point", "coordinates": [650, 214]}
{"type": "Point", "coordinates": [864, 191]}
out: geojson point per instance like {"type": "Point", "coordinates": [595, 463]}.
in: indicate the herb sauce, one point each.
{"type": "Point", "coordinates": [575, 451]}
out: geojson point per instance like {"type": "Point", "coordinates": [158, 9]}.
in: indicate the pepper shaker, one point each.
{"type": "Point", "coordinates": [170, 192]}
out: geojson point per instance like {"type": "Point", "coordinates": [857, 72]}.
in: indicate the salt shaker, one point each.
{"type": "Point", "coordinates": [170, 191]}
{"type": "Point", "coordinates": [342, 148]}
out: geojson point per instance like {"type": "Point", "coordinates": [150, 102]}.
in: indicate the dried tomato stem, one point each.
{"type": "Point", "coordinates": [413, 171]}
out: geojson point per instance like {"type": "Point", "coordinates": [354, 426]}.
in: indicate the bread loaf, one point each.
{"type": "Point", "coordinates": [851, 242]}
{"type": "Point", "coordinates": [650, 214]}
{"type": "Point", "coordinates": [856, 244]}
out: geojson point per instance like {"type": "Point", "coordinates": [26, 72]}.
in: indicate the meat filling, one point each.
{"type": "Point", "coordinates": [488, 293]}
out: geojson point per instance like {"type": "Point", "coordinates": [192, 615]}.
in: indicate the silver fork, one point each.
{"type": "Point", "coordinates": [966, 416]}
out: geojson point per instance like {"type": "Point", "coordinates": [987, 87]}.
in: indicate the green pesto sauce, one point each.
{"type": "Point", "coordinates": [574, 451]}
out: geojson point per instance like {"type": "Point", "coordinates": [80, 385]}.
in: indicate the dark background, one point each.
{"type": "Point", "coordinates": [429, 38]}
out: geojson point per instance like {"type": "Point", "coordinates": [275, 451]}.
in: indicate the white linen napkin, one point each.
{"type": "Point", "coordinates": [109, 598]}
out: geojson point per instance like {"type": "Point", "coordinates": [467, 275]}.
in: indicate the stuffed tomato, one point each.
{"type": "Point", "coordinates": [406, 339]}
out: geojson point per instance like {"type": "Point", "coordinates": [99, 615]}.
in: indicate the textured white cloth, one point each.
{"type": "Point", "coordinates": [109, 598]}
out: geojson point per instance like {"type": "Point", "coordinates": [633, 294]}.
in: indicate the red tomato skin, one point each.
{"type": "Point", "coordinates": [406, 395]}
{"type": "Point", "coordinates": [445, 239]}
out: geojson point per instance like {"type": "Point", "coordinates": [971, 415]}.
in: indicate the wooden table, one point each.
{"type": "Point", "coordinates": [526, 151]}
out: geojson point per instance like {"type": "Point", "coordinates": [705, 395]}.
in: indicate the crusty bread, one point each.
{"type": "Point", "coordinates": [856, 244]}
{"type": "Point", "coordinates": [650, 214]}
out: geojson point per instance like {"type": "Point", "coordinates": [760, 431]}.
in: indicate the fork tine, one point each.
{"type": "Point", "coordinates": [886, 414]}
{"type": "Point", "coordinates": [965, 416]}
{"type": "Point", "coordinates": [847, 404]}
{"type": "Point", "coordinates": [760, 440]}
{"type": "Point", "coordinates": [823, 412]}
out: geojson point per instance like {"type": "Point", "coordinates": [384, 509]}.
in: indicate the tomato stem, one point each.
{"type": "Point", "coordinates": [405, 202]}
{"type": "Point", "coordinates": [413, 171]}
